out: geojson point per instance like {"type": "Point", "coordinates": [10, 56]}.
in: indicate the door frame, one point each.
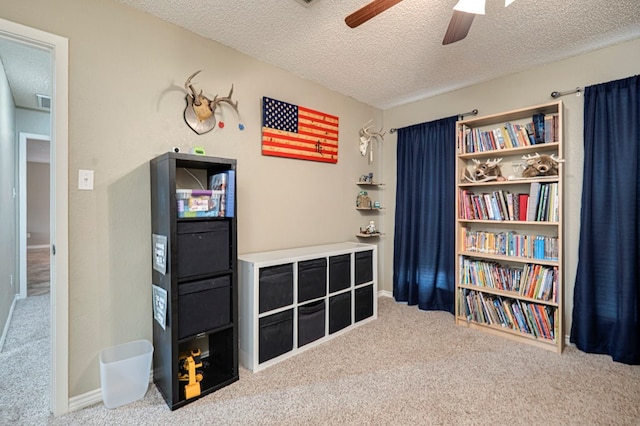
{"type": "Point", "coordinates": [59, 217]}
{"type": "Point", "coordinates": [24, 138]}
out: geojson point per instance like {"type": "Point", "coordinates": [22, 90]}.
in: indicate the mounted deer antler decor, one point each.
{"type": "Point", "coordinates": [200, 113]}
{"type": "Point", "coordinates": [365, 139]}
{"type": "Point", "coordinates": [541, 165]}
{"type": "Point", "coordinates": [484, 172]}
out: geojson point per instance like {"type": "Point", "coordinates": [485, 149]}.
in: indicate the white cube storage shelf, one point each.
{"type": "Point", "coordinates": [294, 299]}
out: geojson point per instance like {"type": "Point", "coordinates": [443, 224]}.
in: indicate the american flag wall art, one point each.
{"type": "Point", "coordinates": [296, 132]}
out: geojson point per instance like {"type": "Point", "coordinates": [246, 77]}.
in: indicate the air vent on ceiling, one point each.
{"type": "Point", "coordinates": [44, 101]}
{"type": "Point", "coordinates": [307, 2]}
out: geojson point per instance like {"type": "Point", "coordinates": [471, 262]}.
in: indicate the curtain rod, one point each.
{"type": "Point", "coordinates": [557, 94]}
{"type": "Point", "coordinates": [472, 112]}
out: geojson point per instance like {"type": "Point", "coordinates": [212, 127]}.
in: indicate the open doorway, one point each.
{"type": "Point", "coordinates": [58, 51]}
{"type": "Point", "coordinates": [34, 219]}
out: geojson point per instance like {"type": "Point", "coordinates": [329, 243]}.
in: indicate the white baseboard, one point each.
{"type": "Point", "coordinates": [40, 246]}
{"type": "Point", "coordinates": [385, 293]}
{"type": "Point", "coordinates": [85, 400]}
{"type": "Point", "coordinates": [6, 324]}
{"type": "Point", "coordinates": [92, 397]}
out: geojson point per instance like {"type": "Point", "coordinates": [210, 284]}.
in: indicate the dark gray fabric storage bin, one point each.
{"type": "Point", "coordinates": [312, 279]}
{"type": "Point", "coordinates": [364, 266]}
{"type": "Point", "coordinates": [339, 272]}
{"type": "Point", "coordinates": [275, 336]}
{"type": "Point", "coordinates": [364, 303]}
{"type": "Point", "coordinates": [275, 287]}
{"type": "Point", "coordinates": [203, 247]}
{"type": "Point", "coordinates": [311, 319]}
{"type": "Point", "coordinates": [203, 305]}
{"type": "Point", "coordinates": [339, 312]}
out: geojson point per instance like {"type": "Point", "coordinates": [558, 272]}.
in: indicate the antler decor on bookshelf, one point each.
{"type": "Point", "coordinates": [509, 278]}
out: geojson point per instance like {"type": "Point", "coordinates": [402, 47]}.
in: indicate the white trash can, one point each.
{"type": "Point", "coordinates": [124, 372]}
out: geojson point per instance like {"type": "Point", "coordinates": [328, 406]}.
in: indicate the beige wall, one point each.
{"type": "Point", "coordinates": [8, 218]}
{"type": "Point", "coordinates": [37, 203]}
{"type": "Point", "coordinates": [531, 87]}
{"type": "Point", "coordinates": [126, 101]}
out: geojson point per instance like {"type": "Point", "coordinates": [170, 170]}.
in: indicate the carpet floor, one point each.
{"type": "Point", "coordinates": [24, 387]}
{"type": "Point", "coordinates": [407, 367]}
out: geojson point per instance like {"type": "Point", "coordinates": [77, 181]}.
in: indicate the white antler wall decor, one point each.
{"type": "Point", "coordinates": [200, 113]}
{"type": "Point", "coordinates": [366, 137]}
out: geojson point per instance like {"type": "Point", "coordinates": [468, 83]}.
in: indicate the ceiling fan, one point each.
{"type": "Point", "coordinates": [463, 13]}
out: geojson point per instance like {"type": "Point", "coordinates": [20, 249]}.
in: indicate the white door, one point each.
{"type": "Point", "coordinates": [59, 48]}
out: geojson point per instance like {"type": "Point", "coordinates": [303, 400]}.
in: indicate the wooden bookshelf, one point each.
{"type": "Point", "coordinates": [510, 266]}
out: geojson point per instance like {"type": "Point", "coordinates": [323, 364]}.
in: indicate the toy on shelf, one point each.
{"type": "Point", "coordinates": [370, 229]}
{"type": "Point", "coordinates": [363, 200]}
{"type": "Point", "coordinates": [541, 165]}
{"type": "Point", "coordinates": [191, 372]}
{"type": "Point", "coordinates": [484, 172]}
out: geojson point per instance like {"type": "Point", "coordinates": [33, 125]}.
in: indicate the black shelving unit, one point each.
{"type": "Point", "coordinates": [199, 275]}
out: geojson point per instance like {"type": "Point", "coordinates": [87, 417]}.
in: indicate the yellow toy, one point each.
{"type": "Point", "coordinates": [190, 372]}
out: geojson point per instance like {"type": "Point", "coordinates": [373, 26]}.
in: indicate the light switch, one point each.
{"type": "Point", "coordinates": [85, 180]}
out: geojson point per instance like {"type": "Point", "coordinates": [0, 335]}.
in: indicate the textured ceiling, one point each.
{"type": "Point", "coordinates": [28, 70]}
{"type": "Point", "coordinates": [395, 58]}
{"type": "Point", "coordinates": [398, 56]}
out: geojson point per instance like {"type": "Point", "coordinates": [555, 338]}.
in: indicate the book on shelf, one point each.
{"type": "Point", "coordinates": [534, 193]}
{"type": "Point", "coordinates": [218, 187]}
{"type": "Point", "coordinates": [501, 197]}
{"type": "Point", "coordinates": [510, 206]}
{"type": "Point", "coordinates": [231, 193]}
{"type": "Point", "coordinates": [497, 134]}
{"type": "Point", "coordinates": [506, 306]}
{"type": "Point", "coordinates": [512, 135]}
{"type": "Point", "coordinates": [222, 186]}
{"type": "Point", "coordinates": [550, 128]}
{"type": "Point", "coordinates": [542, 203]}
{"type": "Point", "coordinates": [538, 128]}
{"type": "Point", "coordinates": [523, 206]}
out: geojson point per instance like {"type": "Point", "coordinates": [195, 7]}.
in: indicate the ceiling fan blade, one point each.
{"type": "Point", "coordinates": [458, 27]}
{"type": "Point", "coordinates": [367, 12]}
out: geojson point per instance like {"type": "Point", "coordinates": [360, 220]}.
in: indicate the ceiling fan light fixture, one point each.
{"type": "Point", "coordinates": [471, 6]}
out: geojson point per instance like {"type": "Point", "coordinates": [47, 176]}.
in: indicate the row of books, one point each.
{"type": "Point", "coordinates": [544, 203]}
{"type": "Point", "coordinates": [223, 186]}
{"type": "Point", "coordinates": [545, 128]}
{"type": "Point", "coordinates": [530, 318]}
{"type": "Point", "coordinates": [532, 280]}
{"type": "Point", "coordinates": [542, 129]}
{"type": "Point", "coordinates": [540, 204]}
{"type": "Point", "coordinates": [509, 244]}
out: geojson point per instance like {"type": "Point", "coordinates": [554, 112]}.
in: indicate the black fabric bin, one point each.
{"type": "Point", "coordinates": [203, 247]}
{"type": "Point", "coordinates": [311, 322]}
{"type": "Point", "coordinates": [339, 272]}
{"type": "Point", "coordinates": [364, 303]}
{"type": "Point", "coordinates": [275, 336]}
{"type": "Point", "coordinates": [203, 305]}
{"type": "Point", "coordinates": [275, 287]}
{"type": "Point", "coordinates": [364, 266]}
{"type": "Point", "coordinates": [339, 312]}
{"type": "Point", "coordinates": [312, 279]}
